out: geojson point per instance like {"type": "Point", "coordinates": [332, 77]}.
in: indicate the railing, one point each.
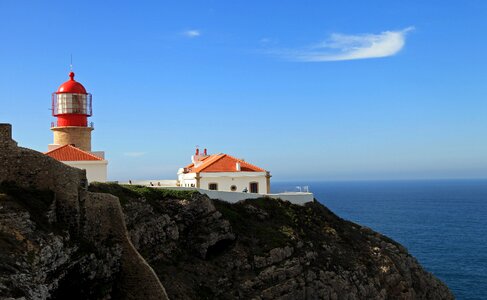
{"type": "Point", "coordinates": [292, 189]}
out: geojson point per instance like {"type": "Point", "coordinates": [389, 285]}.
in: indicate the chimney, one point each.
{"type": "Point", "coordinates": [196, 158]}
{"type": "Point", "coordinates": [205, 152]}
{"type": "Point", "coordinates": [237, 166]}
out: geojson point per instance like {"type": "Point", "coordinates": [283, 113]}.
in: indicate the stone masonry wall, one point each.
{"type": "Point", "coordinates": [94, 217]}
{"type": "Point", "coordinates": [29, 168]}
{"type": "Point", "coordinates": [78, 136]}
{"type": "Point", "coordinates": [6, 134]}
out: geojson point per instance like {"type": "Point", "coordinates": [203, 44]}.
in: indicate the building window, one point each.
{"type": "Point", "coordinates": [254, 187]}
{"type": "Point", "coordinates": [213, 186]}
{"type": "Point", "coordinates": [233, 188]}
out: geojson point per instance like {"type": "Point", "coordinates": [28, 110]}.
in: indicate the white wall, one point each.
{"type": "Point", "coordinates": [96, 170]}
{"type": "Point", "coordinates": [233, 197]}
{"type": "Point", "coordinates": [155, 182]}
{"type": "Point", "coordinates": [241, 182]}
{"type": "Point", "coordinates": [225, 180]}
{"type": "Point", "coordinates": [187, 180]}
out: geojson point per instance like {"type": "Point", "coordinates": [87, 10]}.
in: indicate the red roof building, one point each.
{"type": "Point", "coordinates": [222, 163]}
{"type": "Point", "coordinates": [71, 153]}
{"type": "Point", "coordinates": [224, 172]}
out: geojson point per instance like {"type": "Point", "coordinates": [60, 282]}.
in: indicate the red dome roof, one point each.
{"type": "Point", "coordinates": [71, 86]}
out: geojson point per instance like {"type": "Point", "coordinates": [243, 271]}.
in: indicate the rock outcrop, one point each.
{"type": "Point", "coordinates": [59, 241]}
{"type": "Point", "coordinates": [266, 249]}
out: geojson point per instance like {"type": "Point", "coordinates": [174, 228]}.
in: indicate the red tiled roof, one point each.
{"type": "Point", "coordinates": [71, 153]}
{"type": "Point", "coordinates": [222, 163]}
{"type": "Point", "coordinates": [203, 158]}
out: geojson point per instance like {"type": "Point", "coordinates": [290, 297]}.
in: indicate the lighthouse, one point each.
{"type": "Point", "coordinates": [72, 106]}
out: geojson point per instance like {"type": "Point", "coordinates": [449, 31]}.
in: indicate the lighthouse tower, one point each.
{"type": "Point", "coordinates": [71, 105]}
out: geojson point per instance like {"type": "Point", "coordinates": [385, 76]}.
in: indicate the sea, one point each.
{"type": "Point", "coordinates": [442, 223]}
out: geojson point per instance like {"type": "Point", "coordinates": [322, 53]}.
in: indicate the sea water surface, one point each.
{"type": "Point", "coordinates": [443, 223]}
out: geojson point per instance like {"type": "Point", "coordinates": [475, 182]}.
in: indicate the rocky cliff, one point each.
{"type": "Point", "coordinates": [60, 239]}
{"type": "Point", "coordinates": [266, 249]}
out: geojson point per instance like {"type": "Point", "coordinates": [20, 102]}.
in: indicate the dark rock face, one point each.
{"type": "Point", "coordinates": [266, 249]}
{"type": "Point", "coordinates": [59, 241]}
{"type": "Point", "coordinates": [39, 259]}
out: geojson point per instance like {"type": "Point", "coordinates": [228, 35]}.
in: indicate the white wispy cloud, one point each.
{"type": "Point", "coordinates": [134, 154]}
{"type": "Point", "coordinates": [192, 33]}
{"type": "Point", "coordinates": [348, 47]}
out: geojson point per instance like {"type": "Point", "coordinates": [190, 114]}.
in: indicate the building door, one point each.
{"type": "Point", "coordinates": [254, 187]}
{"type": "Point", "coordinates": [213, 186]}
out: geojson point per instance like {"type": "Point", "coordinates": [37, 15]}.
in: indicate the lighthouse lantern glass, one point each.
{"type": "Point", "coordinates": [68, 103]}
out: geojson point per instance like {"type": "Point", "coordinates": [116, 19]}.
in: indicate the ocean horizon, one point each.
{"type": "Point", "coordinates": [442, 223]}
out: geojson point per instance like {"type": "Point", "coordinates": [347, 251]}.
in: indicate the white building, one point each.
{"type": "Point", "coordinates": [222, 172]}
{"type": "Point", "coordinates": [93, 162]}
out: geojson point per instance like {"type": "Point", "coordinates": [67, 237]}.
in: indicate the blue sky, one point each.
{"type": "Point", "coordinates": [310, 90]}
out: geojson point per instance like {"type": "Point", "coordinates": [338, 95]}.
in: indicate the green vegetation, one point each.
{"type": "Point", "coordinates": [126, 193]}
{"type": "Point", "coordinates": [262, 224]}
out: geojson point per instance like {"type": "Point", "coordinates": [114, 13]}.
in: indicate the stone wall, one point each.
{"type": "Point", "coordinates": [97, 218]}
{"type": "Point", "coordinates": [80, 137]}
{"type": "Point", "coordinates": [32, 169]}
{"type": "Point", "coordinates": [6, 134]}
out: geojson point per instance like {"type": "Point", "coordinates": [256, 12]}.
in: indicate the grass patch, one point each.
{"type": "Point", "coordinates": [127, 193]}
{"type": "Point", "coordinates": [124, 195]}
{"type": "Point", "coordinates": [158, 193]}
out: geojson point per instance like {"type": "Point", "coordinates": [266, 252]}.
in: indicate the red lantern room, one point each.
{"type": "Point", "coordinates": [71, 104]}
